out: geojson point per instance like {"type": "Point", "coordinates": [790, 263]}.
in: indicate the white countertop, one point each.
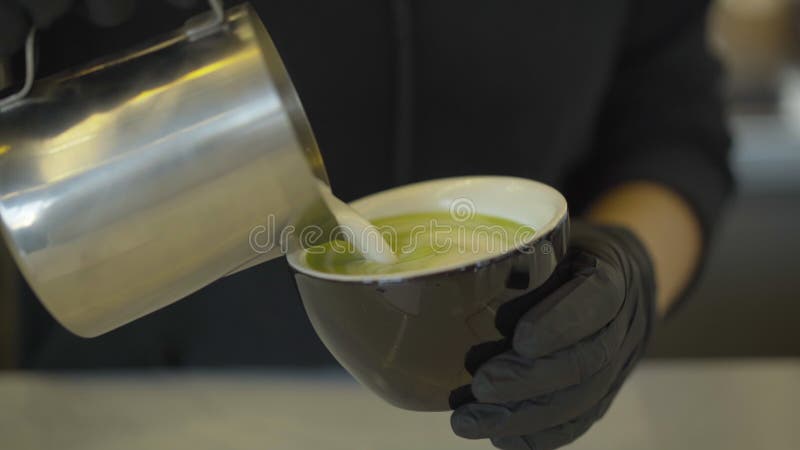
{"type": "Point", "coordinates": [726, 405]}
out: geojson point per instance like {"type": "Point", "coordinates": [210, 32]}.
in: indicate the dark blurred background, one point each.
{"type": "Point", "coordinates": [746, 302]}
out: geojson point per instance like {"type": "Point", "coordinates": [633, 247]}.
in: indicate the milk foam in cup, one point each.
{"type": "Point", "coordinates": [425, 240]}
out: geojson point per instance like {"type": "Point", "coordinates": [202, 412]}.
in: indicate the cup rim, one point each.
{"type": "Point", "coordinates": [556, 224]}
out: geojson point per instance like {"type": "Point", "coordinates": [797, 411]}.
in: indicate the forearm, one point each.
{"type": "Point", "coordinates": [665, 224]}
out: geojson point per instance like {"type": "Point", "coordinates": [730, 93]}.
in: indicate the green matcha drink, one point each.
{"type": "Point", "coordinates": [420, 241]}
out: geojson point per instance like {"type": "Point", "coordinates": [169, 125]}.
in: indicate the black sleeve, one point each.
{"type": "Point", "coordinates": [662, 119]}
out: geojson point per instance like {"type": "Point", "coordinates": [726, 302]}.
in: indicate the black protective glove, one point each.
{"type": "Point", "coordinates": [570, 345]}
{"type": "Point", "coordinates": [17, 16]}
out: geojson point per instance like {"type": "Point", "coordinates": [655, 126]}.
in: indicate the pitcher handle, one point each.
{"type": "Point", "coordinates": [30, 46]}
{"type": "Point", "coordinates": [210, 26]}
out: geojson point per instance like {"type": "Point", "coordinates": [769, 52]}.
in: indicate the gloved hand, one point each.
{"type": "Point", "coordinates": [570, 345]}
{"type": "Point", "coordinates": [17, 16]}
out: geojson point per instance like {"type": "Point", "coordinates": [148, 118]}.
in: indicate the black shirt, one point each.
{"type": "Point", "coordinates": [579, 94]}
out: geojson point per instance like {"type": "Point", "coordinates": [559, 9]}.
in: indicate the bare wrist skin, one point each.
{"type": "Point", "coordinates": [666, 225]}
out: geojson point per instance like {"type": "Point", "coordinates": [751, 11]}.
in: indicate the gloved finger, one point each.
{"type": "Point", "coordinates": [14, 28]}
{"type": "Point", "coordinates": [510, 312]}
{"type": "Point", "coordinates": [557, 436]}
{"type": "Point", "coordinates": [479, 354]}
{"type": "Point", "coordinates": [109, 13]}
{"type": "Point", "coordinates": [476, 357]}
{"type": "Point", "coordinates": [460, 396]}
{"type": "Point", "coordinates": [44, 12]}
{"type": "Point", "coordinates": [484, 420]}
{"type": "Point", "coordinates": [513, 377]}
{"type": "Point", "coordinates": [581, 307]}
{"type": "Point", "coordinates": [566, 433]}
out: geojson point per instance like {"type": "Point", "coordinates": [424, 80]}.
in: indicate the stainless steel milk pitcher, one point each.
{"type": "Point", "coordinates": [128, 184]}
